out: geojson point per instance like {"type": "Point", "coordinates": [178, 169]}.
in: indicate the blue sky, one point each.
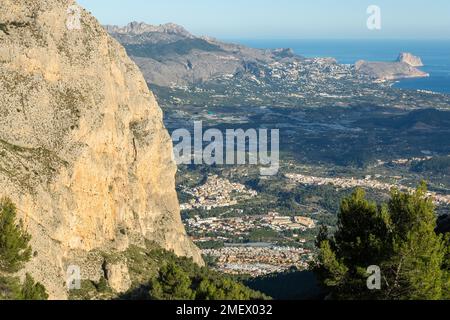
{"type": "Point", "coordinates": [283, 19]}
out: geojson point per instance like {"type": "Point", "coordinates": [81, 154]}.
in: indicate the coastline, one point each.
{"type": "Point", "coordinates": [434, 54]}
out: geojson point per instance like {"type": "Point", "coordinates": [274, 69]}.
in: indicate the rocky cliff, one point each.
{"type": "Point", "coordinates": [410, 59]}
{"type": "Point", "coordinates": [83, 150]}
{"type": "Point", "coordinates": [405, 67]}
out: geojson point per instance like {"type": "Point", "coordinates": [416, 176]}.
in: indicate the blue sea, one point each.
{"type": "Point", "coordinates": [434, 53]}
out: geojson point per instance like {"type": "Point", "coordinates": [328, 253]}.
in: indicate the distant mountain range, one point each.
{"type": "Point", "coordinates": [139, 28]}
{"type": "Point", "coordinates": [170, 55]}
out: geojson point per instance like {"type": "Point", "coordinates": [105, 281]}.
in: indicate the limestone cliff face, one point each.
{"type": "Point", "coordinates": [410, 59]}
{"type": "Point", "coordinates": [83, 149]}
{"type": "Point", "coordinates": [405, 67]}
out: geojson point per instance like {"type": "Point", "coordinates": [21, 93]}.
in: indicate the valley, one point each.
{"type": "Point", "coordinates": [340, 128]}
{"type": "Point", "coordinates": [325, 154]}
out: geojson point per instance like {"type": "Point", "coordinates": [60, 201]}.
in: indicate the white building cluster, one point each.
{"type": "Point", "coordinates": [349, 183]}
{"type": "Point", "coordinates": [258, 261]}
{"type": "Point", "coordinates": [217, 192]}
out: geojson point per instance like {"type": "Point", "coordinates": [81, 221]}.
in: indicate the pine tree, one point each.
{"type": "Point", "coordinates": [398, 237]}
{"type": "Point", "coordinates": [186, 281]}
{"type": "Point", "coordinates": [418, 252]}
{"type": "Point", "coordinates": [172, 283]}
{"type": "Point", "coordinates": [14, 240]}
{"type": "Point", "coordinates": [10, 288]}
{"type": "Point", "coordinates": [15, 251]}
{"type": "Point", "coordinates": [32, 290]}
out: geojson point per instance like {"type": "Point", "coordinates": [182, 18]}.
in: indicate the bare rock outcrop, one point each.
{"type": "Point", "coordinates": [405, 67]}
{"type": "Point", "coordinates": [410, 59]}
{"type": "Point", "coordinates": [83, 150]}
{"type": "Point", "coordinates": [118, 276]}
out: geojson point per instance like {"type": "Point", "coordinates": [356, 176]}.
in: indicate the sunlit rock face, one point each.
{"type": "Point", "coordinates": [405, 67]}
{"type": "Point", "coordinates": [83, 150]}
{"type": "Point", "coordinates": [410, 59]}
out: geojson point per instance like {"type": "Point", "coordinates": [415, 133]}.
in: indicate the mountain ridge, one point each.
{"type": "Point", "coordinates": [170, 55]}
{"type": "Point", "coordinates": [199, 58]}
{"type": "Point", "coordinates": [142, 27]}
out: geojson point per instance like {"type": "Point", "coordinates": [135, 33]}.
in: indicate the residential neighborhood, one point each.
{"type": "Point", "coordinates": [257, 261]}
{"type": "Point", "coordinates": [368, 182]}
{"type": "Point", "coordinates": [217, 192]}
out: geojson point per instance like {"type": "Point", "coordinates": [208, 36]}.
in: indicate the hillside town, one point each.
{"type": "Point", "coordinates": [231, 229]}
{"type": "Point", "coordinates": [254, 259]}
{"type": "Point", "coordinates": [258, 261]}
{"type": "Point", "coordinates": [217, 192]}
{"type": "Point", "coordinates": [368, 182]}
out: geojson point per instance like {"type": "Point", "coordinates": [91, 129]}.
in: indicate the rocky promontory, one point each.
{"type": "Point", "coordinates": [405, 67]}
{"type": "Point", "coordinates": [410, 59]}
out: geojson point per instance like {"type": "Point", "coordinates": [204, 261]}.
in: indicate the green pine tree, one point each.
{"type": "Point", "coordinates": [183, 280]}
{"type": "Point", "coordinates": [222, 289]}
{"type": "Point", "coordinates": [15, 250]}
{"type": "Point", "coordinates": [172, 283]}
{"type": "Point", "coordinates": [10, 288]}
{"type": "Point", "coordinates": [32, 290]}
{"type": "Point", "coordinates": [398, 237]}
{"type": "Point", "coordinates": [418, 256]}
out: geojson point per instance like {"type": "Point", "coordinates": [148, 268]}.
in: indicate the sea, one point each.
{"type": "Point", "coordinates": [435, 55]}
